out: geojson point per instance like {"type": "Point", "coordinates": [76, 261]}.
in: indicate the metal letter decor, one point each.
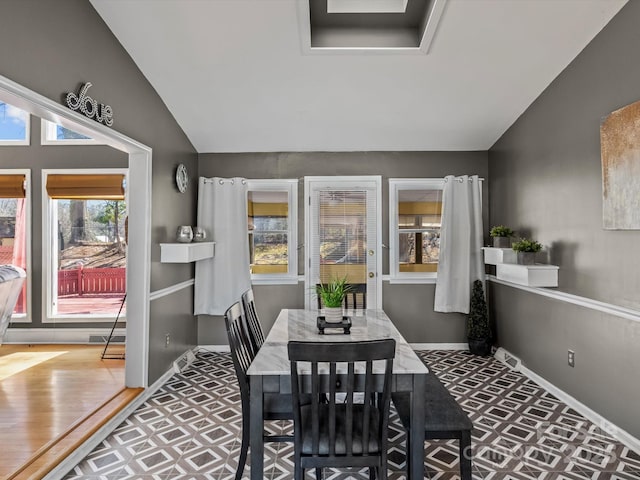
{"type": "Point", "coordinates": [89, 107]}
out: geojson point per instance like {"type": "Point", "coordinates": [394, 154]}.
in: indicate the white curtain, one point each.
{"type": "Point", "coordinates": [222, 211]}
{"type": "Point", "coordinates": [460, 262]}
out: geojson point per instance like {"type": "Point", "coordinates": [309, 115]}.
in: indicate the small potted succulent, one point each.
{"type": "Point", "coordinates": [526, 250]}
{"type": "Point", "coordinates": [501, 236]}
{"type": "Point", "coordinates": [332, 295]}
{"type": "Point", "coordinates": [479, 333]}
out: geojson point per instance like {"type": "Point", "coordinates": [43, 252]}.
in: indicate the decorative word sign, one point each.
{"type": "Point", "coordinates": [89, 107]}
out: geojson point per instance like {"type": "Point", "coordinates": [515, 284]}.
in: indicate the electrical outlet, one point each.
{"type": "Point", "coordinates": [571, 358]}
{"type": "Point", "coordinates": [167, 340]}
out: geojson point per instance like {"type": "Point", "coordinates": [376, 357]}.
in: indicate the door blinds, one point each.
{"type": "Point", "coordinates": [343, 235]}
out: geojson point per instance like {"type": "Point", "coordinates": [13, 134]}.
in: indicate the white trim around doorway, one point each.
{"type": "Point", "coordinates": [139, 247]}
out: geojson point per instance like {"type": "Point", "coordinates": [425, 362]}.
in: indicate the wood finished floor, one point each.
{"type": "Point", "coordinates": [44, 390]}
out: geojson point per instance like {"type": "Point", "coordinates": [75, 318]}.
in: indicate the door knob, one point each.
{"type": "Point", "coordinates": [371, 274]}
{"type": "Point", "coordinates": [371, 252]}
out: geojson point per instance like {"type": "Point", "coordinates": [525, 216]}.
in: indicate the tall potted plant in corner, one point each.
{"type": "Point", "coordinates": [501, 236]}
{"type": "Point", "coordinates": [332, 295]}
{"type": "Point", "coordinates": [526, 250]}
{"type": "Point", "coordinates": [478, 329]}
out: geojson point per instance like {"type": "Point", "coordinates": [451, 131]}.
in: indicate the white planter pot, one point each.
{"type": "Point", "coordinates": [333, 314]}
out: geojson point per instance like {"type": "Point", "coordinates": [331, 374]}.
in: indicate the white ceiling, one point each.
{"type": "Point", "coordinates": [234, 75]}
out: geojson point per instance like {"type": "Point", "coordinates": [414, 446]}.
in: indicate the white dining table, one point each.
{"type": "Point", "coordinates": [270, 372]}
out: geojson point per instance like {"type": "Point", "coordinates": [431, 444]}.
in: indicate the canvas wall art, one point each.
{"type": "Point", "coordinates": [620, 147]}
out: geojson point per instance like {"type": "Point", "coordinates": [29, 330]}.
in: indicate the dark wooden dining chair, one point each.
{"type": "Point", "coordinates": [276, 406]}
{"type": "Point", "coordinates": [356, 298]}
{"type": "Point", "coordinates": [341, 433]}
{"type": "Point", "coordinates": [444, 419]}
{"type": "Point", "coordinates": [256, 334]}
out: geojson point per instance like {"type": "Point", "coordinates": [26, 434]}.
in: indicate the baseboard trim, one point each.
{"type": "Point", "coordinates": [183, 361]}
{"type": "Point", "coordinates": [615, 431]}
{"type": "Point", "coordinates": [439, 346]}
{"type": "Point", "coordinates": [64, 467]}
{"type": "Point", "coordinates": [58, 335]}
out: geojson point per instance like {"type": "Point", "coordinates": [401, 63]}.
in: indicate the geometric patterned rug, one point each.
{"type": "Point", "coordinates": [190, 430]}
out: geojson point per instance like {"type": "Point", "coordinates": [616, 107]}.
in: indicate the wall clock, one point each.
{"type": "Point", "coordinates": [182, 178]}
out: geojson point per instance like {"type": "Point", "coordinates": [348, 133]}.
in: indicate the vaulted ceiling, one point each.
{"type": "Point", "coordinates": [241, 75]}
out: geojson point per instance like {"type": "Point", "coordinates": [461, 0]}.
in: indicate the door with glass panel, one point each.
{"type": "Point", "coordinates": [342, 234]}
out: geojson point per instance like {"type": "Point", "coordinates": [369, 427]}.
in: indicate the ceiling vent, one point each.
{"type": "Point", "coordinates": [369, 26]}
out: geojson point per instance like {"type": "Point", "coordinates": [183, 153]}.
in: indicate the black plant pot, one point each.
{"type": "Point", "coordinates": [480, 346]}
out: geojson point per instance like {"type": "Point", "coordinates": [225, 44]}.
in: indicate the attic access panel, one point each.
{"type": "Point", "coordinates": [381, 24]}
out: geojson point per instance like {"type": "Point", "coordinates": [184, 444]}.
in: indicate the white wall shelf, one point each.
{"type": "Point", "coordinates": [186, 252]}
{"type": "Point", "coordinates": [538, 275]}
{"type": "Point", "coordinates": [494, 256]}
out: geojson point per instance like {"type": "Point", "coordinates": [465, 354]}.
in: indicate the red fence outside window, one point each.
{"type": "Point", "coordinates": [91, 281]}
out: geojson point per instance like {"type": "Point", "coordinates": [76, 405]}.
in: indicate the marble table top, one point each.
{"type": "Point", "coordinates": [300, 325]}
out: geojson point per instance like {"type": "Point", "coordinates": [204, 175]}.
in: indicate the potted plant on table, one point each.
{"type": "Point", "coordinates": [526, 250]}
{"type": "Point", "coordinates": [332, 295]}
{"type": "Point", "coordinates": [478, 329]}
{"type": "Point", "coordinates": [501, 236]}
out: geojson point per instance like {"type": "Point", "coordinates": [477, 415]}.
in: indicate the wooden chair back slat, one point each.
{"type": "Point", "coordinates": [254, 327]}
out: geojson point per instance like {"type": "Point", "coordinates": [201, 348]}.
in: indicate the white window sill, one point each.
{"type": "Point", "coordinates": [408, 280]}
{"type": "Point", "coordinates": [275, 280]}
{"type": "Point", "coordinates": [83, 318]}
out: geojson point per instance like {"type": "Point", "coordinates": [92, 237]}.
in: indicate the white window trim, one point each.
{"type": "Point", "coordinates": [291, 187]}
{"type": "Point", "coordinates": [50, 244]}
{"type": "Point", "coordinates": [24, 317]}
{"type": "Point", "coordinates": [395, 185]}
{"type": "Point", "coordinates": [48, 136]}
{"type": "Point", "coordinates": [27, 136]}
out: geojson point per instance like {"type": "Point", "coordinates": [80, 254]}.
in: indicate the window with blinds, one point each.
{"type": "Point", "coordinates": [85, 244]}
{"type": "Point", "coordinates": [415, 211]}
{"type": "Point", "coordinates": [271, 224]}
{"type": "Point", "coordinates": [15, 230]}
{"type": "Point", "coordinates": [342, 222]}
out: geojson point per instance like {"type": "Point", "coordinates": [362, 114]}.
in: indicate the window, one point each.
{"type": "Point", "coordinates": [272, 230]}
{"type": "Point", "coordinates": [14, 125]}
{"type": "Point", "coordinates": [53, 134]}
{"type": "Point", "coordinates": [15, 231]}
{"type": "Point", "coordinates": [415, 210]}
{"type": "Point", "coordinates": [85, 244]}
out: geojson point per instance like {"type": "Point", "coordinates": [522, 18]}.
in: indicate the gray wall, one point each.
{"type": "Point", "coordinates": [410, 306]}
{"type": "Point", "coordinates": [545, 180]}
{"type": "Point", "coordinates": [53, 47]}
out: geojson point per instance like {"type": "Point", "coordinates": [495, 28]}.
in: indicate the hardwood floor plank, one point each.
{"type": "Point", "coordinates": [45, 459]}
{"type": "Point", "coordinates": [46, 390]}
